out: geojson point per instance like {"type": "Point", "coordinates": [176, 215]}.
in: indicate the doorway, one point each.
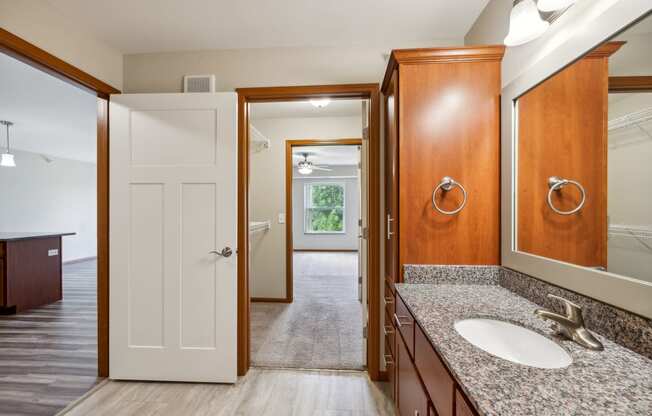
{"type": "Point", "coordinates": [366, 92]}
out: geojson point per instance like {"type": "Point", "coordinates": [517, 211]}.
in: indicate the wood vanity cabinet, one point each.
{"type": "Point", "coordinates": [442, 114]}
{"type": "Point", "coordinates": [442, 118]}
{"type": "Point", "coordinates": [562, 130]}
{"type": "Point", "coordinates": [422, 384]}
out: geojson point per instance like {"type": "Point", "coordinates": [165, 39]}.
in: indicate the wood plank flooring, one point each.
{"type": "Point", "coordinates": [48, 355]}
{"type": "Point", "coordinates": [262, 392]}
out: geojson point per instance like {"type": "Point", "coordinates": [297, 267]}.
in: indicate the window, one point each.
{"type": "Point", "coordinates": [324, 208]}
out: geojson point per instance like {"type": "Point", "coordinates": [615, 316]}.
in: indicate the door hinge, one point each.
{"type": "Point", "coordinates": [360, 222]}
{"type": "Point", "coordinates": [364, 331]}
{"type": "Point", "coordinates": [365, 133]}
{"type": "Point", "coordinates": [365, 233]}
{"type": "Point", "coordinates": [359, 280]}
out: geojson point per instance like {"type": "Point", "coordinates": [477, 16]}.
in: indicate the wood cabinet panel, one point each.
{"type": "Point", "coordinates": [404, 323]}
{"type": "Point", "coordinates": [562, 131]}
{"type": "Point", "coordinates": [390, 367]}
{"type": "Point", "coordinates": [389, 331]}
{"type": "Point", "coordinates": [438, 382]}
{"type": "Point", "coordinates": [450, 127]}
{"type": "Point", "coordinates": [392, 269]}
{"type": "Point", "coordinates": [412, 399]}
{"type": "Point", "coordinates": [462, 407]}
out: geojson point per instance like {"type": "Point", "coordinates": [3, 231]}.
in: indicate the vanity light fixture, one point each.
{"type": "Point", "coordinates": [525, 23]}
{"type": "Point", "coordinates": [320, 103]}
{"type": "Point", "coordinates": [7, 158]}
{"type": "Point", "coordinates": [548, 6]}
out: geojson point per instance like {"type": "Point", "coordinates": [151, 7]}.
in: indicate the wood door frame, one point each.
{"type": "Point", "coordinates": [303, 93]}
{"type": "Point", "coordinates": [36, 57]}
{"type": "Point", "coordinates": [289, 214]}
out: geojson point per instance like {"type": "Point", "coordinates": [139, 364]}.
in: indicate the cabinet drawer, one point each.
{"type": "Point", "coordinates": [438, 382]}
{"type": "Point", "coordinates": [412, 399]}
{"type": "Point", "coordinates": [404, 323]}
{"type": "Point", "coordinates": [462, 406]}
{"type": "Point", "coordinates": [389, 331]}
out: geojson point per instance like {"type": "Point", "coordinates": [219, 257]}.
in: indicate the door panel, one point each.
{"type": "Point", "coordinates": [173, 201]}
{"type": "Point", "coordinates": [391, 182]}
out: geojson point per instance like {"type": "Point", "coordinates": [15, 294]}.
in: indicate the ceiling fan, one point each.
{"type": "Point", "coordinates": [306, 167]}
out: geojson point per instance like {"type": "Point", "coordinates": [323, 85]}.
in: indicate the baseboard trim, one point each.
{"type": "Point", "coordinates": [80, 260]}
{"type": "Point", "coordinates": [325, 250]}
{"type": "Point", "coordinates": [272, 300]}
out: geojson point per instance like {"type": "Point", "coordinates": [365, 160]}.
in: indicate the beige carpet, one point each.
{"type": "Point", "coordinates": [322, 328]}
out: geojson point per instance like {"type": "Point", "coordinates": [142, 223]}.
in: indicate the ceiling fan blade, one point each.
{"type": "Point", "coordinates": [321, 168]}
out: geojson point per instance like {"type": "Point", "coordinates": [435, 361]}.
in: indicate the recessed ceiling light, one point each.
{"type": "Point", "coordinates": [320, 103]}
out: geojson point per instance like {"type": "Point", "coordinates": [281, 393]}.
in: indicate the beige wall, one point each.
{"type": "Point", "coordinates": [267, 192]}
{"type": "Point", "coordinates": [41, 24]}
{"type": "Point", "coordinates": [163, 72]}
{"type": "Point", "coordinates": [492, 26]}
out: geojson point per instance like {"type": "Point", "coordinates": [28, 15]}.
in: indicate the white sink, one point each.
{"type": "Point", "coordinates": [514, 343]}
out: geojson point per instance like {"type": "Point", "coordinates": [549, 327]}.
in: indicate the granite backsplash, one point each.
{"type": "Point", "coordinates": [624, 328]}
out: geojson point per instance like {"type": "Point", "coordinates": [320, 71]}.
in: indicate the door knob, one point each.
{"type": "Point", "coordinates": [226, 252]}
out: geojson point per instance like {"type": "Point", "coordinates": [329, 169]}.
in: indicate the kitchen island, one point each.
{"type": "Point", "coordinates": [30, 270]}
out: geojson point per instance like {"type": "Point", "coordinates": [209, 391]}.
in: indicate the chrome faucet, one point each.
{"type": "Point", "coordinates": [571, 326]}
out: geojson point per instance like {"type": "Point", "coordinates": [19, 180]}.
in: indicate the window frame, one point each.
{"type": "Point", "coordinates": [307, 202]}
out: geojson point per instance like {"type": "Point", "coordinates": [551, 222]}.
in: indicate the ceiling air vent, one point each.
{"type": "Point", "coordinates": [199, 83]}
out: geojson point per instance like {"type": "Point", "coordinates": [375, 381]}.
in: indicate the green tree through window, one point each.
{"type": "Point", "coordinates": [324, 208]}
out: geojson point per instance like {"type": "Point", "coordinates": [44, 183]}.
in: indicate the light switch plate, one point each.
{"type": "Point", "coordinates": [281, 218]}
{"type": "Point", "coordinates": [53, 252]}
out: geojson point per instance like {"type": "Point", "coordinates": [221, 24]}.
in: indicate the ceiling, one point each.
{"type": "Point", "coordinates": [172, 25]}
{"type": "Point", "coordinates": [51, 117]}
{"type": "Point", "coordinates": [336, 108]}
{"type": "Point", "coordinates": [327, 155]}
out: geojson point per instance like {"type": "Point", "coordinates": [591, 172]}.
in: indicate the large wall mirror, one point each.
{"type": "Point", "coordinates": [580, 163]}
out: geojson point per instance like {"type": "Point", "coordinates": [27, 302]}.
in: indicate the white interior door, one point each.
{"type": "Point", "coordinates": [363, 242]}
{"type": "Point", "coordinates": [172, 202]}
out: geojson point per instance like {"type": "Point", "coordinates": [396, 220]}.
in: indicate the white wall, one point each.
{"type": "Point", "coordinates": [267, 193]}
{"type": "Point", "coordinates": [345, 241]}
{"type": "Point", "coordinates": [57, 196]}
{"type": "Point", "coordinates": [491, 27]}
{"type": "Point", "coordinates": [630, 182]}
{"type": "Point", "coordinates": [235, 68]}
{"type": "Point", "coordinates": [38, 22]}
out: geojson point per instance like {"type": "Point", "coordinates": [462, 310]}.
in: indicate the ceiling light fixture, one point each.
{"type": "Point", "coordinates": [320, 103]}
{"type": "Point", "coordinates": [7, 158]}
{"type": "Point", "coordinates": [553, 5]}
{"type": "Point", "coordinates": [525, 23]}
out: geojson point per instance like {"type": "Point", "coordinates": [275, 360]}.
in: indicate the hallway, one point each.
{"type": "Point", "coordinates": [322, 328]}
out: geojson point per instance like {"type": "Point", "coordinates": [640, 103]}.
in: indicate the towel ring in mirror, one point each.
{"type": "Point", "coordinates": [556, 184]}
{"type": "Point", "coordinates": [446, 184]}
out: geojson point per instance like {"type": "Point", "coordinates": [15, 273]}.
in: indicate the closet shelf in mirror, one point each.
{"type": "Point", "coordinates": [631, 120]}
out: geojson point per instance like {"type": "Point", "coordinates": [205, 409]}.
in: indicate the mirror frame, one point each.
{"type": "Point", "coordinates": [621, 291]}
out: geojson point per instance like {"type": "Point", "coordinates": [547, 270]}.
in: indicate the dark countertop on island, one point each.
{"type": "Point", "coordinates": [616, 381]}
{"type": "Point", "coordinates": [13, 236]}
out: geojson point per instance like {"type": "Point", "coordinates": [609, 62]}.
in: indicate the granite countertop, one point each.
{"type": "Point", "coordinates": [12, 236]}
{"type": "Point", "coordinates": [616, 381]}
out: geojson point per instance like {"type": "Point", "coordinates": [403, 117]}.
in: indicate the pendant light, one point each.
{"type": "Point", "coordinates": [554, 5]}
{"type": "Point", "coordinates": [525, 23]}
{"type": "Point", "coordinates": [7, 158]}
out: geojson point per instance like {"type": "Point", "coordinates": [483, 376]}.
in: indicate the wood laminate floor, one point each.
{"type": "Point", "coordinates": [48, 355]}
{"type": "Point", "coordinates": [262, 392]}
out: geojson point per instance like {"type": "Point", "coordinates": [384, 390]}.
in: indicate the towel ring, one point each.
{"type": "Point", "coordinates": [556, 184]}
{"type": "Point", "coordinates": [446, 184]}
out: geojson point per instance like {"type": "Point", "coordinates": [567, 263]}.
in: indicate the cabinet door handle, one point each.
{"type": "Point", "coordinates": [416, 413]}
{"type": "Point", "coordinates": [389, 362]}
{"type": "Point", "coordinates": [388, 300]}
{"type": "Point", "coordinates": [388, 329]}
{"type": "Point", "coordinates": [390, 233]}
{"type": "Point", "coordinates": [399, 324]}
